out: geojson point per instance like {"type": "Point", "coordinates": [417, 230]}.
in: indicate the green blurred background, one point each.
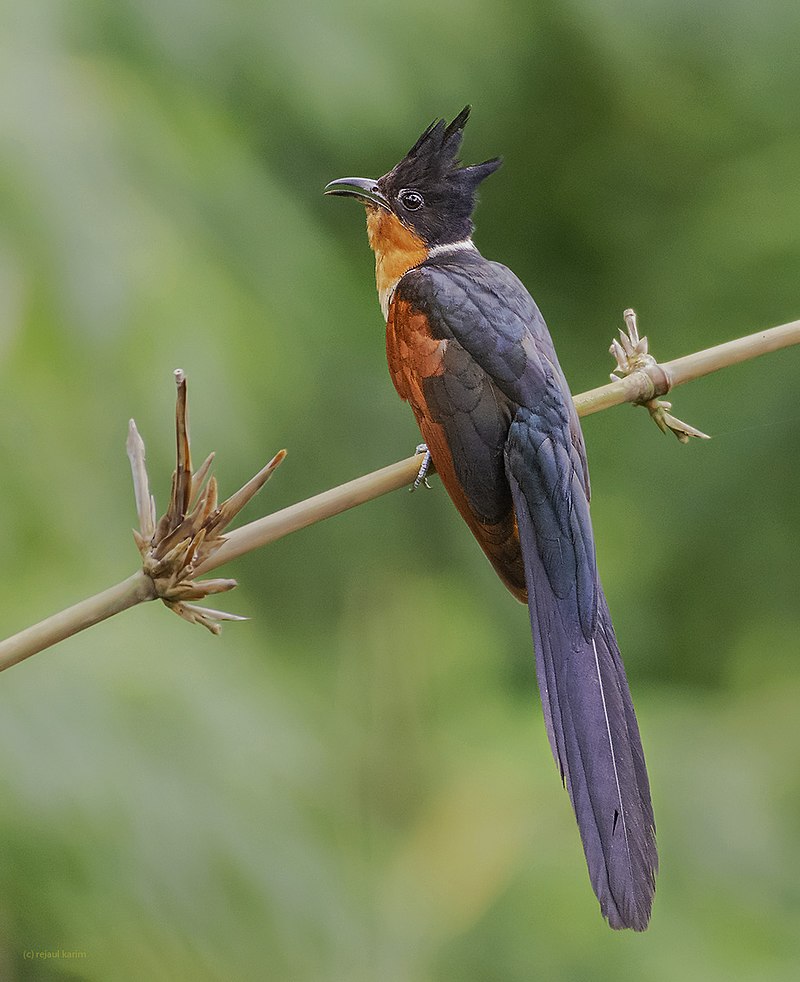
{"type": "Point", "coordinates": [356, 784]}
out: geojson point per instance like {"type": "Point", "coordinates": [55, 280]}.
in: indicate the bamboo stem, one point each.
{"type": "Point", "coordinates": [87, 613]}
{"type": "Point", "coordinates": [643, 385]}
{"type": "Point", "coordinates": [640, 386]}
{"type": "Point", "coordinates": [313, 510]}
{"type": "Point", "coordinates": [702, 363]}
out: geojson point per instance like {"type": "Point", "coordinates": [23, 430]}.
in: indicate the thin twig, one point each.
{"type": "Point", "coordinates": [641, 386]}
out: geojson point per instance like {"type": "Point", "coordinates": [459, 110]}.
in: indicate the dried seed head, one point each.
{"type": "Point", "coordinates": [191, 530]}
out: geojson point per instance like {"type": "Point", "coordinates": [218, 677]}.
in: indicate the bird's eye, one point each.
{"type": "Point", "coordinates": [411, 200]}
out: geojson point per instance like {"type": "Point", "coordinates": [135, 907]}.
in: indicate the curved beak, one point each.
{"type": "Point", "coordinates": [363, 188]}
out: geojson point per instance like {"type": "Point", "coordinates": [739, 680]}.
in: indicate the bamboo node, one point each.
{"type": "Point", "coordinates": [632, 355]}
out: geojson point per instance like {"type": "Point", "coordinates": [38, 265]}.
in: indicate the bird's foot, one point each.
{"type": "Point", "coordinates": [632, 354]}
{"type": "Point", "coordinates": [424, 467]}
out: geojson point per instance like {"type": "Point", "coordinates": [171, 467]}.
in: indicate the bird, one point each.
{"type": "Point", "coordinates": [468, 349]}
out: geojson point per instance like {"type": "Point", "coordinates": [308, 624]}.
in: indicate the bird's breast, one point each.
{"type": "Point", "coordinates": [412, 352]}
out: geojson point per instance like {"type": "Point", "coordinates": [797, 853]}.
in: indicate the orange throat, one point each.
{"type": "Point", "coordinates": [397, 250]}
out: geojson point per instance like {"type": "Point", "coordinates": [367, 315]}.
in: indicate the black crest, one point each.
{"type": "Point", "coordinates": [447, 190]}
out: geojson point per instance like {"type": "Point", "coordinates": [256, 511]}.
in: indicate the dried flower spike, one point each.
{"type": "Point", "coordinates": [191, 530]}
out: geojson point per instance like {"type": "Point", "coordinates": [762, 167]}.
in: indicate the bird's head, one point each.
{"type": "Point", "coordinates": [427, 193]}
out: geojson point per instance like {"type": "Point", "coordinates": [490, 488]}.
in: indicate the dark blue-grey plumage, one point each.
{"type": "Point", "coordinates": [515, 448]}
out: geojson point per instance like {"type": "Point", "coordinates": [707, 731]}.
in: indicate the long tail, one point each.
{"type": "Point", "coordinates": [594, 737]}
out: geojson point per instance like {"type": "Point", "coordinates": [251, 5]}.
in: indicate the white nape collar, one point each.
{"type": "Point", "coordinates": [438, 250]}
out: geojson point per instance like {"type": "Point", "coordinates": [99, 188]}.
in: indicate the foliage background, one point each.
{"type": "Point", "coordinates": [355, 785]}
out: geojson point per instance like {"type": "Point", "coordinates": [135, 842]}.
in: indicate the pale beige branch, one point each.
{"type": "Point", "coordinates": [647, 384]}
{"type": "Point", "coordinates": [87, 613]}
{"type": "Point", "coordinates": [313, 510]}
{"type": "Point", "coordinates": [644, 384]}
{"type": "Point", "coordinates": [641, 386]}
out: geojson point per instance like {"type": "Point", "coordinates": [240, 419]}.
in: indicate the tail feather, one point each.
{"type": "Point", "coordinates": [595, 739]}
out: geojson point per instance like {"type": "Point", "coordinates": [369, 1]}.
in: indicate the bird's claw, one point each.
{"type": "Point", "coordinates": [632, 354]}
{"type": "Point", "coordinates": [424, 467]}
